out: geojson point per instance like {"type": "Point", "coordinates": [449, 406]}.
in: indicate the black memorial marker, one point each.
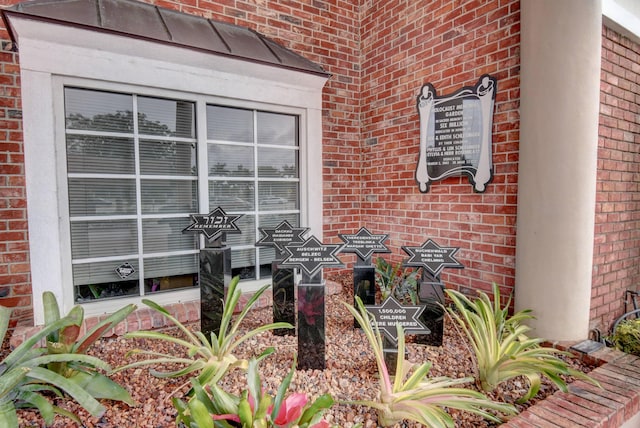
{"type": "Point", "coordinates": [455, 134]}
{"type": "Point", "coordinates": [214, 274]}
{"type": "Point", "coordinates": [432, 258]}
{"type": "Point", "coordinates": [388, 315]}
{"type": "Point", "coordinates": [364, 244]}
{"type": "Point", "coordinates": [391, 313]}
{"type": "Point", "coordinates": [310, 257]}
{"type": "Point", "coordinates": [283, 279]}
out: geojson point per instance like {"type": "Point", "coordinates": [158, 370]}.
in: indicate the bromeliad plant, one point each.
{"type": "Point", "coordinates": [67, 340]}
{"type": "Point", "coordinates": [501, 345]}
{"type": "Point", "coordinates": [396, 281]}
{"type": "Point", "coordinates": [24, 376]}
{"type": "Point", "coordinates": [212, 357]}
{"type": "Point", "coordinates": [211, 406]}
{"type": "Point", "coordinates": [411, 395]}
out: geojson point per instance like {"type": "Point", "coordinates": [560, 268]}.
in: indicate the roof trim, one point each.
{"type": "Point", "coordinates": [135, 19]}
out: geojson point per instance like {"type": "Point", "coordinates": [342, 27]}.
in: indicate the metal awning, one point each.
{"type": "Point", "coordinates": [145, 21]}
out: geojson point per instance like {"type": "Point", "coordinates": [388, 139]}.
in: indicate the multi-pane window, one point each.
{"type": "Point", "coordinates": [132, 181]}
{"type": "Point", "coordinates": [253, 170]}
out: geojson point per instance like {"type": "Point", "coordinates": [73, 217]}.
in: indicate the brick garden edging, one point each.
{"type": "Point", "coordinates": [584, 406]}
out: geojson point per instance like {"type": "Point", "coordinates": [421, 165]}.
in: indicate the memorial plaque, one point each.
{"type": "Point", "coordinates": [214, 224]}
{"type": "Point", "coordinates": [311, 256]}
{"type": "Point", "coordinates": [432, 257]}
{"type": "Point", "coordinates": [391, 313]}
{"type": "Point", "coordinates": [283, 279]}
{"type": "Point", "coordinates": [364, 244]}
{"type": "Point", "coordinates": [281, 236]}
{"type": "Point", "coordinates": [455, 134]}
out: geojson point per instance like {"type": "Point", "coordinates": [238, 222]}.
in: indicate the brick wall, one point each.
{"type": "Point", "coordinates": [15, 281]}
{"type": "Point", "coordinates": [449, 44]}
{"type": "Point", "coordinates": [617, 228]}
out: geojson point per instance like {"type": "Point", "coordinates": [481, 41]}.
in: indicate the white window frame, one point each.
{"type": "Point", "coordinates": [53, 55]}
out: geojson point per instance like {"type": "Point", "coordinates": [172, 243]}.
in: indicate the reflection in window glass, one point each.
{"type": "Point", "coordinates": [230, 160]}
{"type": "Point", "coordinates": [92, 110]}
{"type": "Point", "coordinates": [229, 124]}
{"type": "Point", "coordinates": [167, 158]}
{"type": "Point", "coordinates": [277, 162]}
{"type": "Point", "coordinates": [157, 116]}
{"type": "Point", "coordinates": [100, 154]}
{"type": "Point", "coordinates": [277, 129]}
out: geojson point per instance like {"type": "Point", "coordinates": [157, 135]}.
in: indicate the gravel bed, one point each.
{"type": "Point", "coordinates": [351, 374]}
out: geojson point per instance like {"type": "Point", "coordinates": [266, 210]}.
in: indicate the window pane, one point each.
{"type": "Point", "coordinates": [247, 226]}
{"type": "Point", "coordinates": [277, 195]}
{"type": "Point", "coordinates": [274, 220]}
{"type": "Point", "coordinates": [161, 235]}
{"type": "Point", "coordinates": [103, 238]}
{"type": "Point", "coordinates": [229, 124]}
{"type": "Point", "coordinates": [167, 158]}
{"type": "Point", "coordinates": [280, 129]}
{"type": "Point", "coordinates": [98, 111]}
{"type": "Point", "coordinates": [104, 290]}
{"type": "Point", "coordinates": [166, 117]}
{"type": "Point", "coordinates": [170, 282]}
{"type": "Point", "coordinates": [243, 263]}
{"type": "Point", "coordinates": [266, 255]}
{"type": "Point", "coordinates": [100, 154]}
{"type": "Point", "coordinates": [230, 161]}
{"type": "Point", "coordinates": [159, 267]}
{"type": "Point", "coordinates": [231, 195]}
{"type": "Point", "coordinates": [103, 272]}
{"type": "Point", "coordinates": [277, 162]}
{"type": "Point", "coordinates": [169, 196]}
{"type": "Point", "coordinates": [101, 196]}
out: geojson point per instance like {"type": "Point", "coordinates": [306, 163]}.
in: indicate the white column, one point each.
{"type": "Point", "coordinates": [559, 105]}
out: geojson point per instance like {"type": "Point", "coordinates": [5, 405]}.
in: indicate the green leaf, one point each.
{"type": "Point", "coordinates": [78, 394]}
{"type": "Point", "coordinates": [100, 386]}
{"type": "Point", "coordinates": [200, 414]}
{"type": "Point", "coordinates": [8, 415]}
{"type": "Point", "coordinates": [102, 327]}
{"type": "Point", "coordinates": [51, 312]}
{"type": "Point", "coordinates": [321, 403]}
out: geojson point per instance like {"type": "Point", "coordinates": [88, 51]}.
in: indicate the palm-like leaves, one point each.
{"type": "Point", "coordinates": [411, 395]}
{"type": "Point", "coordinates": [24, 376]}
{"type": "Point", "coordinates": [67, 340]}
{"type": "Point", "coordinates": [501, 345]}
{"type": "Point", "coordinates": [213, 356]}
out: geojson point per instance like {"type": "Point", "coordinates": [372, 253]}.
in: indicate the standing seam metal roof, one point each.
{"type": "Point", "coordinates": [145, 21]}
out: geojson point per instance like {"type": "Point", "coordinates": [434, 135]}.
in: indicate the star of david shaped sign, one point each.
{"type": "Point", "coordinates": [212, 225]}
{"type": "Point", "coordinates": [364, 244]}
{"type": "Point", "coordinates": [432, 257]}
{"type": "Point", "coordinates": [391, 313]}
{"type": "Point", "coordinates": [284, 234]}
{"type": "Point", "coordinates": [311, 255]}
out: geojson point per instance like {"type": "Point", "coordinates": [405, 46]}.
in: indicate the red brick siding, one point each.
{"type": "Point", "coordinates": [15, 281]}
{"type": "Point", "coordinates": [617, 225]}
{"type": "Point", "coordinates": [449, 44]}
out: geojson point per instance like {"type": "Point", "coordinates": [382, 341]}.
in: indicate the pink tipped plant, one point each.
{"type": "Point", "coordinates": [410, 394]}
{"type": "Point", "coordinates": [213, 407]}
